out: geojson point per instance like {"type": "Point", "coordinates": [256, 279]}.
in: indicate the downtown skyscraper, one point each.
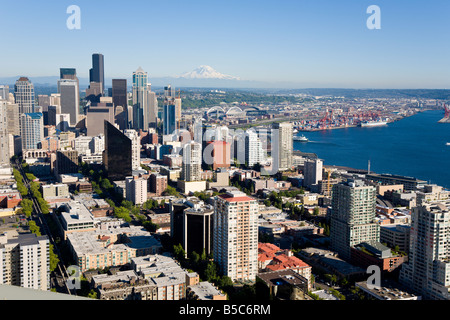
{"type": "Point", "coordinates": [145, 105]}
{"type": "Point", "coordinates": [24, 95]}
{"type": "Point", "coordinates": [120, 101]}
{"type": "Point", "coordinates": [169, 111]}
{"type": "Point", "coordinates": [31, 130]}
{"type": "Point", "coordinates": [97, 72]}
{"type": "Point", "coordinates": [70, 100]}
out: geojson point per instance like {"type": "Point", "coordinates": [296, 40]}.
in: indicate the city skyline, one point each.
{"type": "Point", "coordinates": [297, 44]}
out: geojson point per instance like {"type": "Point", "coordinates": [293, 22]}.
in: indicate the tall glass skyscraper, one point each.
{"type": "Point", "coordinates": [140, 95]}
{"type": "Point", "coordinates": [24, 95]}
{"type": "Point", "coordinates": [97, 73]}
{"type": "Point", "coordinates": [169, 111]}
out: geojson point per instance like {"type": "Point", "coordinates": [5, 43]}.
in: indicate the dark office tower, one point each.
{"type": "Point", "coordinates": [97, 73]}
{"type": "Point", "coordinates": [169, 117]}
{"type": "Point", "coordinates": [119, 97]}
{"type": "Point", "coordinates": [24, 95]}
{"type": "Point", "coordinates": [117, 157]}
{"type": "Point", "coordinates": [66, 162]}
{"type": "Point", "coordinates": [176, 209]}
{"type": "Point", "coordinates": [198, 233]}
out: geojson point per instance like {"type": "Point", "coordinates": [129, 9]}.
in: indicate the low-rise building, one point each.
{"type": "Point", "coordinates": [205, 291]}
{"type": "Point", "coordinates": [285, 285]}
{"type": "Point", "coordinates": [272, 258]}
{"type": "Point", "coordinates": [100, 249]}
{"type": "Point", "coordinates": [166, 274]}
{"type": "Point", "coordinates": [123, 285]}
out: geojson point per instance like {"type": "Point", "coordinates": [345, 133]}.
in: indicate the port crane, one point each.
{"type": "Point", "coordinates": [447, 111]}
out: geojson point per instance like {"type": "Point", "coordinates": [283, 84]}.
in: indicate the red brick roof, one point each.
{"type": "Point", "coordinates": [279, 261]}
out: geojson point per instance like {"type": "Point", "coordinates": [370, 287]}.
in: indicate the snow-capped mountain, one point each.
{"type": "Point", "coordinates": [206, 72]}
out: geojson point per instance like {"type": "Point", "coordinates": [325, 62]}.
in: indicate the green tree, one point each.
{"type": "Point", "coordinates": [34, 228]}
{"type": "Point", "coordinates": [27, 207]}
{"type": "Point", "coordinates": [122, 213]}
{"type": "Point", "coordinates": [92, 294]}
{"type": "Point", "coordinates": [54, 259]}
{"type": "Point", "coordinates": [179, 252]}
{"type": "Point", "coordinates": [211, 271]}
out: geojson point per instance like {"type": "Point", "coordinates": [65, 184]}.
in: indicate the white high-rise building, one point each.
{"type": "Point", "coordinates": [235, 238]}
{"type": "Point", "coordinates": [4, 92]}
{"type": "Point", "coordinates": [136, 190]}
{"type": "Point", "coordinates": [254, 152]}
{"type": "Point", "coordinates": [25, 261]}
{"type": "Point", "coordinates": [192, 162]}
{"type": "Point", "coordinates": [31, 130]}
{"type": "Point", "coordinates": [4, 136]}
{"type": "Point", "coordinates": [135, 148]}
{"type": "Point", "coordinates": [282, 145]}
{"type": "Point", "coordinates": [97, 144]}
{"type": "Point", "coordinates": [427, 271]}
{"type": "Point", "coordinates": [313, 169]}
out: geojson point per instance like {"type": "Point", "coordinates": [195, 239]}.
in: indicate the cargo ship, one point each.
{"type": "Point", "coordinates": [372, 123]}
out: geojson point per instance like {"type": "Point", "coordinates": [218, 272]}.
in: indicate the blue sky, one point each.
{"type": "Point", "coordinates": [314, 43]}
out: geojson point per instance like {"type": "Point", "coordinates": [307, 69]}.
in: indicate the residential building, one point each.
{"type": "Point", "coordinates": [166, 274]}
{"type": "Point", "coordinates": [312, 172]}
{"type": "Point", "coordinates": [136, 190]}
{"type": "Point", "coordinates": [282, 146]}
{"type": "Point", "coordinates": [205, 291]}
{"type": "Point", "coordinates": [352, 216]}
{"type": "Point", "coordinates": [135, 148]}
{"type": "Point", "coordinates": [100, 249]}
{"type": "Point", "coordinates": [25, 261]}
{"type": "Point", "coordinates": [254, 152]}
{"type": "Point", "coordinates": [192, 162]}
{"type": "Point", "coordinates": [427, 271]}
{"type": "Point", "coordinates": [123, 285]}
{"type": "Point", "coordinates": [157, 183]}
{"type": "Point", "coordinates": [235, 240]}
